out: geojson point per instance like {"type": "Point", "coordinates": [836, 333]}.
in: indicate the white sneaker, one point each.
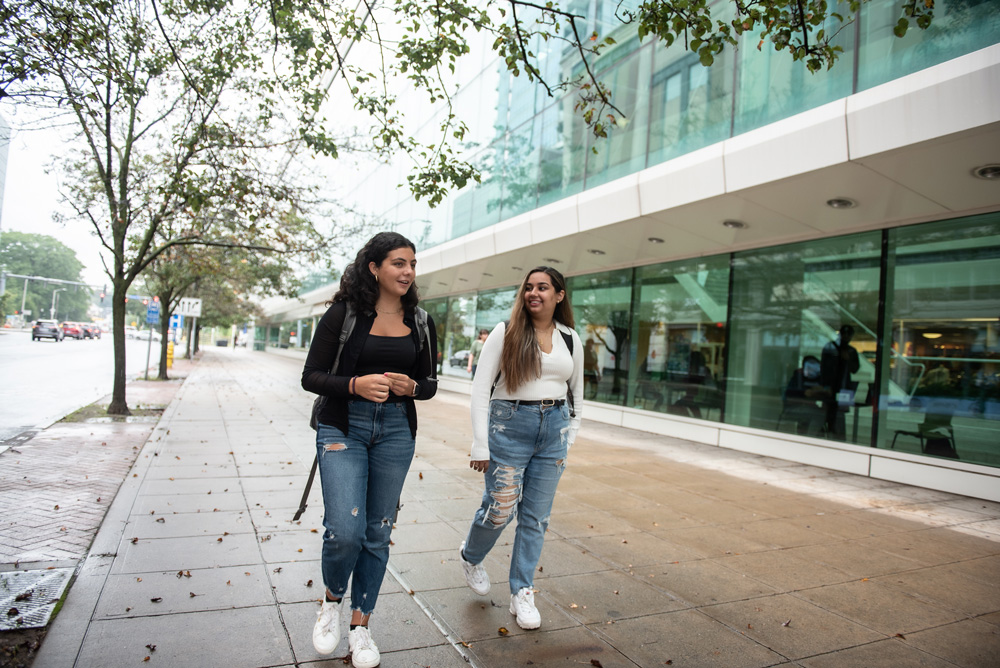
{"type": "Point", "coordinates": [522, 604]}
{"type": "Point", "coordinates": [326, 633]}
{"type": "Point", "coordinates": [475, 575]}
{"type": "Point", "coordinates": [364, 652]}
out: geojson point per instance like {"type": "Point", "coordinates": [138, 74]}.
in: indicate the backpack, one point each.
{"type": "Point", "coordinates": [423, 334]}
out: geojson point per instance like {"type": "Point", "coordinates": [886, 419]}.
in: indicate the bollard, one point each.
{"type": "Point", "coordinates": [170, 355]}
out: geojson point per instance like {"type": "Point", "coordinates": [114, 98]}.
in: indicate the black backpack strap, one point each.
{"type": "Point", "coordinates": [305, 492]}
{"type": "Point", "coordinates": [345, 333]}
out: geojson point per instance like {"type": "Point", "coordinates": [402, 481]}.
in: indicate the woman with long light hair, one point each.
{"type": "Point", "coordinates": [523, 423]}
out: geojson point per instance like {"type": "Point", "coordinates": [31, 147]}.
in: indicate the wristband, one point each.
{"type": "Point", "coordinates": [354, 383]}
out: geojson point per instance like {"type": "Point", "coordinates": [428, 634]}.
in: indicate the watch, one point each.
{"type": "Point", "coordinates": [416, 389]}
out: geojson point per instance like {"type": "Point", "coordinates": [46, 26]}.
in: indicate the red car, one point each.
{"type": "Point", "coordinates": [72, 330]}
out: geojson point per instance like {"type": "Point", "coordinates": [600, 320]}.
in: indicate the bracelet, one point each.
{"type": "Point", "coordinates": [354, 383]}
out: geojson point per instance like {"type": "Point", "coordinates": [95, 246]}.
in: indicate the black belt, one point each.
{"type": "Point", "coordinates": [539, 402]}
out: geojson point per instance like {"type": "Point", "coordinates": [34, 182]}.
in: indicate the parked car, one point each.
{"type": "Point", "coordinates": [72, 330]}
{"type": "Point", "coordinates": [46, 329]}
{"type": "Point", "coordinates": [461, 358]}
{"type": "Point", "coordinates": [144, 334]}
{"type": "Point", "coordinates": [130, 332]}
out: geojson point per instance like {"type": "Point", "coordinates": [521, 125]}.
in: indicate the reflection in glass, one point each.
{"type": "Point", "coordinates": [458, 334]}
{"type": "Point", "coordinates": [959, 27]}
{"type": "Point", "coordinates": [623, 151]}
{"type": "Point", "coordinates": [678, 329]}
{"type": "Point", "coordinates": [942, 382]}
{"type": "Point", "coordinates": [789, 306]}
{"type": "Point", "coordinates": [437, 309]}
{"type": "Point", "coordinates": [602, 305]}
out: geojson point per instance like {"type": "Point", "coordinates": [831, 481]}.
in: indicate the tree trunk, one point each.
{"type": "Point", "coordinates": [164, 342]}
{"type": "Point", "coordinates": [118, 406]}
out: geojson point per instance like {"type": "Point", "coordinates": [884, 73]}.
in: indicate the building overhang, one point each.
{"type": "Point", "coordinates": [904, 152]}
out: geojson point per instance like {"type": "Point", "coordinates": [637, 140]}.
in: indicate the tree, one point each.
{"type": "Point", "coordinates": [158, 92]}
{"type": "Point", "coordinates": [40, 255]}
{"type": "Point", "coordinates": [180, 105]}
{"type": "Point", "coordinates": [226, 280]}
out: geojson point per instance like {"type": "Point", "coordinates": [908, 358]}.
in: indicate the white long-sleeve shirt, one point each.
{"type": "Point", "coordinates": [558, 367]}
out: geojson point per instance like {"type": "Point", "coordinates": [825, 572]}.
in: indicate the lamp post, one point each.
{"type": "Point", "coordinates": [55, 301]}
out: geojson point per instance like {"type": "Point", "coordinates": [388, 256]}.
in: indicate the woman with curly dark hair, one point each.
{"type": "Point", "coordinates": [373, 354]}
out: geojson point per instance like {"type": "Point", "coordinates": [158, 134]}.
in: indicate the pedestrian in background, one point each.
{"type": "Point", "coordinates": [366, 431]}
{"type": "Point", "coordinates": [522, 430]}
{"type": "Point", "coordinates": [475, 350]}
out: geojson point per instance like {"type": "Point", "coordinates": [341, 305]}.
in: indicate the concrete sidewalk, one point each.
{"type": "Point", "coordinates": [660, 552]}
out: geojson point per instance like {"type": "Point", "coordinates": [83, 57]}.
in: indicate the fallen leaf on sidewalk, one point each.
{"type": "Point", "coordinates": [503, 631]}
{"type": "Point", "coordinates": [596, 664]}
{"type": "Point", "coordinates": [309, 584]}
{"type": "Point", "coordinates": [786, 623]}
{"type": "Point", "coordinates": [161, 520]}
{"type": "Point", "coordinates": [156, 599]}
{"type": "Point", "coordinates": [151, 648]}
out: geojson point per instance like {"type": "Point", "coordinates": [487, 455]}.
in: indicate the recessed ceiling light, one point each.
{"type": "Point", "coordinates": [442, 283]}
{"type": "Point", "coordinates": [552, 260]}
{"type": "Point", "coordinates": [988, 172]}
{"type": "Point", "coordinates": [486, 273]}
{"type": "Point", "coordinates": [655, 240]}
{"type": "Point", "coordinates": [595, 251]}
{"type": "Point", "coordinates": [841, 203]}
{"type": "Point", "coordinates": [734, 224]}
{"type": "Point", "coordinates": [518, 268]}
{"type": "Point", "coordinates": [464, 280]}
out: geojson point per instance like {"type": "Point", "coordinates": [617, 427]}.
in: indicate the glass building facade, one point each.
{"type": "Point", "coordinates": [870, 346]}
{"type": "Point", "coordinates": [532, 149]}
{"type": "Point", "coordinates": [751, 338]}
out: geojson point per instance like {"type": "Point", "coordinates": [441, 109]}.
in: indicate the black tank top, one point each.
{"type": "Point", "coordinates": [381, 354]}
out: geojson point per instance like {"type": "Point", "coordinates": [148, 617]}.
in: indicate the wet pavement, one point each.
{"type": "Point", "coordinates": [660, 552]}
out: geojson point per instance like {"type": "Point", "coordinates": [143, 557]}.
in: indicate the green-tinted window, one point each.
{"type": "Point", "coordinates": [623, 151]}
{"type": "Point", "coordinates": [690, 104]}
{"type": "Point", "coordinates": [772, 86]}
{"type": "Point", "coordinates": [959, 27]}
{"type": "Point", "coordinates": [520, 170]}
{"type": "Point", "coordinates": [457, 335]}
{"type": "Point", "coordinates": [602, 305]}
{"type": "Point", "coordinates": [563, 152]}
{"type": "Point", "coordinates": [493, 306]}
{"type": "Point", "coordinates": [678, 334]}
{"type": "Point", "coordinates": [789, 305]}
{"type": "Point", "coordinates": [941, 384]}
{"type": "Point", "coordinates": [437, 309]}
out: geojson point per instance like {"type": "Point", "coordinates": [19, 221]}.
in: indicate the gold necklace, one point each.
{"type": "Point", "coordinates": [396, 312]}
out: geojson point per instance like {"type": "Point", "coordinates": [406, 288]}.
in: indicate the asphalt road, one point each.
{"type": "Point", "coordinates": [42, 381]}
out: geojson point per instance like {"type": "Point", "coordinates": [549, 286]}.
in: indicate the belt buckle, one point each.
{"type": "Point", "coordinates": [548, 402]}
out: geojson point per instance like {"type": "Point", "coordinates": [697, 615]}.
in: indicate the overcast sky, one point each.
{"type": "Point", "coordinates": [31, 198]}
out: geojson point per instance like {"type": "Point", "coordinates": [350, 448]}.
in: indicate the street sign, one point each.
{"type": "Point", "coordinates": [189, 306]}
{"type": "Point", "coordinates": [153, 313]}
{"type": "Point", "coordinates": [176, 321]}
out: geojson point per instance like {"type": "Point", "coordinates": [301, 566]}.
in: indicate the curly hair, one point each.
{"type": "Point", "coordinates": [358, 285]}
{"type": "Point", "coordinates": [521, 359]}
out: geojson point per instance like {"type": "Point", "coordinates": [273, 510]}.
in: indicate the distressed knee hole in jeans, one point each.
{"type": "Point", "coordinates": [334, 447]}
{"type": "Point", "coordinates": [505, 495]}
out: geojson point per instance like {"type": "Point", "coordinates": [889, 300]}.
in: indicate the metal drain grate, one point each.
{"type": "Point", "coordinates": [27, 598]}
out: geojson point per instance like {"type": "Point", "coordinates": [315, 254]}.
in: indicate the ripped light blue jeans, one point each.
{"type": "Point", "coordinates": [527, 458]}
{"type": "Point", "coordinates": [362, 475]}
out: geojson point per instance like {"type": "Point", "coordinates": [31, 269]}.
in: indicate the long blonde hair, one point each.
{"type": "Point", "coordinates": [521, 359]}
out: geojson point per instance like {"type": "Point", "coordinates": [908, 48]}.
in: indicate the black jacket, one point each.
{"type": "Point", "coordinates": [317, 379]}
